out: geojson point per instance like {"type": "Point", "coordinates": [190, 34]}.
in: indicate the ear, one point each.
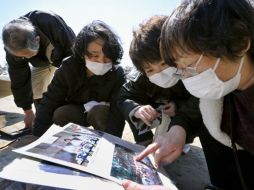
{"type": "Point", "coordinates": [247, 47]}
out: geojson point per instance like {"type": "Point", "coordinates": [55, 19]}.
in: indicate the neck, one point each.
{"type": "Point", "coordinates": [247, 74]}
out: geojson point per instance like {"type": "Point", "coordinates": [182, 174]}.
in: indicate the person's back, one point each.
{"type": "Point", "coordinates": [42, 40]}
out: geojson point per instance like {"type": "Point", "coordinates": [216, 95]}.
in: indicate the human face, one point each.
{"type": "Point", "coordinates": [95, 52]}
{"type": "Point", "coordinates": [25, 53]}
{"type": "Point", "coordinates": [191, 64]}
{"type": "Point", "coordinates": [155, 67]}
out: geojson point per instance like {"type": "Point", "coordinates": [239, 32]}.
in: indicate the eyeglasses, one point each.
{"type": "Point", "coordinates": [188, 71]}
{"type": "Point", "coordinates": [185, 73]}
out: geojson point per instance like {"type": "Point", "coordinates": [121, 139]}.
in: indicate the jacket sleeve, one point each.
{"type": "Point", "coordinates": [120, 78]}
{"type": "Point", "coordinates": [58, 32]}
{"type": "Point", "coordinates": [52, 99]}
{"type": "Point", "coordinates": [116, 122]}
{"type": "Point", "coordinates": [132, 95]}
{"type": "Point", "coordinates": [21, 86]}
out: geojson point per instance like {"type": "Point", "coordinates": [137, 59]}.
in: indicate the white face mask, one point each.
{"type": "Point", "coordinates": [98, 68]}
{"type": "Point", "coordinates": [207, 85]}
{"type": "Point", "coordinates": [165, 78]}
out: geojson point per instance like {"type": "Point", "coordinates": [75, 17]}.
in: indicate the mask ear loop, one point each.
{"type": "Point", "coordinates": [198, 61]}
{"type": "Point", "coordinates": [241, 65]}
{"type": "Point", "coordinates": [216, 64]}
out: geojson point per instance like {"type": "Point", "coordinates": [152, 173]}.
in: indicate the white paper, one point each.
{"type": "Point", "coordinates": [53, 176]}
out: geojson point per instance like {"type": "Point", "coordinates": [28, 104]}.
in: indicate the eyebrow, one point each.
{"type": "Point", "coordinates": [94, 52]}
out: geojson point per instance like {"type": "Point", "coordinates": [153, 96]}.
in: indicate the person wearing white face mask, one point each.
{"type": "Point", "coordinates": [211, 44]}
{"type": "Point", "coordinates": [84, 90]}
{"type": "Point", "coordinates": [164, 78]}
{"type": "Point", "coordinates": [207, 85]}
{"type": "Point", "coordinates": [153, 93]}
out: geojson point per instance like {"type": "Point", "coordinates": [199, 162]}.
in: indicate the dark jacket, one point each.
{"type": "Point", "coordinates": [142, 92]}
{"type": "Point", "coordinates": [52, 29]}
{"type": "Point", "coordinates": [70, 85]}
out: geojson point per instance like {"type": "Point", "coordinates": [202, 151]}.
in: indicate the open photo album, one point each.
{"type": "Point", "coordinates": [94, 152]}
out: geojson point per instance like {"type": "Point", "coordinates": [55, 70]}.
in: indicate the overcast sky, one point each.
{"type": "Point", "coordinates": [121, 15]}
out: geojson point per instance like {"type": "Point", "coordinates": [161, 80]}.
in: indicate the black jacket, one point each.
{"type": "Point", "coordinates": [70, 85]}
{"type": "Point", "coordinates": [52, 29]}
{"type": "Point", "coordinates": [142, 92]}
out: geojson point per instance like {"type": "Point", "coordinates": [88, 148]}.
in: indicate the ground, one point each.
{"type": "Point", "coordinates": [189, 172]}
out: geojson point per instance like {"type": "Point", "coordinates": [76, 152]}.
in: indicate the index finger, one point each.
{"type": "Point", "coordinates": [149, 149]}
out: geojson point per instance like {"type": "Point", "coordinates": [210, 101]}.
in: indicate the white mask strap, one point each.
{"type": "Point", "coordinates": [216, 64]}
{"type": "Point", "coordinates": [198, 61]}
{"type": "Point", "coordinates": [241, 64]}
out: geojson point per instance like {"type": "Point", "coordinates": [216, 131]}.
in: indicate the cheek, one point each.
{"type": "Point", "coordinates": [181, 65]}
{"type": "Point", "coordinates": [150, 73]}
{"type": "Point", "coordinates": [203, 67]}
{"type": "Point", "coordinates": [165, 67]}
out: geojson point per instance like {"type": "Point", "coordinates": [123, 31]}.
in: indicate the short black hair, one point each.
{"type": "Point", "coordinates": [144, 46]}
{"type": "Point", "coordinates": [98, 30]}
{"type": "Point", "coordinates": [219, 28]}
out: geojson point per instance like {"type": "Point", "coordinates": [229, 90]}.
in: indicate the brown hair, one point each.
{"type": "Point", "coordinates": [144, 47]}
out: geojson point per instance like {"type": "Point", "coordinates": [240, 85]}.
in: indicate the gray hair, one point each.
{"type": "Point", "coordinates": [19, 34]}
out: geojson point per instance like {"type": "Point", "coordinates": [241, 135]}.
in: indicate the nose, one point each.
{"type": "Point", "coordinates": [180, 66]}
{"type": "Point", "coordinates": [100, 59]}
{"type": "Point", "coordinates": [103, 59]}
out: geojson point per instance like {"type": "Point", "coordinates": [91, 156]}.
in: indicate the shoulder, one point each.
{"type": "Point", "coordinates": [134, 75]}
{"type": "Point", "coordinates": [38, 14]}
{"type": "Point", "coordinates": [72, 65]}
{"type": "Point", "coordinates": [118, 70]}
{"type": "Point", "coordinates": [42, 18]}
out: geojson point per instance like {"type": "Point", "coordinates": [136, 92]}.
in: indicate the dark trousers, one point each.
{"type": "Point", "coordinates": [221, 163]}
{"type": "Point", "coordinates": [99, 117]}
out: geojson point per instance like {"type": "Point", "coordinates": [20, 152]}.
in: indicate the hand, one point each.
{"type": "Point", "coordinates": [170, 109]}
{"type": "Point", "coordinates": [166, 147]}
{"type": "Point", "coordinates": [147, 114]}
{"type": "Point", "coordinates": [29, 118]}
{"type": "Point", "coordinates": [130, 185]}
